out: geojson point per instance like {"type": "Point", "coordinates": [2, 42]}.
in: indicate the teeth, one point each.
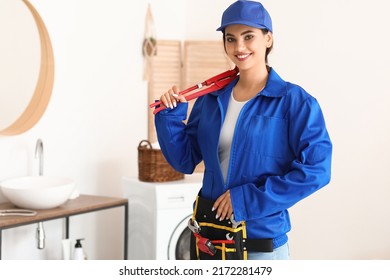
{"type": "Point", "coordinates": [242, 56]}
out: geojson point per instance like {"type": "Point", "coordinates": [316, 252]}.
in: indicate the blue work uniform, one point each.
{"type": "Point", "coordinates": [280, 153]}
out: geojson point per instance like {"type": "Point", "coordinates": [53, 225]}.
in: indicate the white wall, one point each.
{"type": "Point", "coordinates": [338, 50]}
{"type": "Point", "coordinates": [335, 49]}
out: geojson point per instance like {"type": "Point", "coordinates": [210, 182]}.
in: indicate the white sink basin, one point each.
{"type": "Point", "coordinates": [38, 192]}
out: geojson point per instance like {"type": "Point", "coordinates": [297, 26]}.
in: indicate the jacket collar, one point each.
{"type": "Point", "coordinates": [275, 86]}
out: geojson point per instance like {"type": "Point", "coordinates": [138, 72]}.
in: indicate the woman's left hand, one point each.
{"type": "Point", "coordinates": [223, 206]}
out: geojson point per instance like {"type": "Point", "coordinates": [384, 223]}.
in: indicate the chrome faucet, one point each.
{"type": "Point", "coordinates": [39, 152]}
{"type": "Point", "coordinates": [41, 236]}
{"type": "Point", "coordinates": [40, 230]}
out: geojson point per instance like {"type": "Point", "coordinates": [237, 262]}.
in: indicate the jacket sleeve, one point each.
{"type": "Point", "coordinates": [177, 139]}
{"type": "Point", "coordinates": [309, 171]}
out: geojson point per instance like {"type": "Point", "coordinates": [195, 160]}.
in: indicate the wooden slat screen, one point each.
{"type": "Point", "coordinates": [202, 60]}
{"type": "Point", "coordinates": [165, 71]}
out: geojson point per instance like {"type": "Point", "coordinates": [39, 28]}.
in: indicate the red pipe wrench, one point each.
{"type": "Point", "coordinates": [214, 83]}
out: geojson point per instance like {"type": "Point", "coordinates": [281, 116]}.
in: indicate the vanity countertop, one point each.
{"type": "Point", "coordinates": [79, 205]}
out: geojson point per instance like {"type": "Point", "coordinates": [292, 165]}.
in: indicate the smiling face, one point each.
{"type": "Point", "coordinates": [246, 46]}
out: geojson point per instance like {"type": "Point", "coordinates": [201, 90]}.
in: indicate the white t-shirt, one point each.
{"type": "Point", "coordinates": [227, 132]}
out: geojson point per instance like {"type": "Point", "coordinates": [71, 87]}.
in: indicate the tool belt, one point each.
{"type": "Point", "coordinates": [213, 239]}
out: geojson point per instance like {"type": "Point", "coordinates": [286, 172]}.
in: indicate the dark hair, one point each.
{"type": "Point", "coordinates": [267, 51]}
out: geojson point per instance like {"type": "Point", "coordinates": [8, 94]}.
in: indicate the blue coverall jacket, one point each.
{"type": "Point", "coordinates": [280, 153]}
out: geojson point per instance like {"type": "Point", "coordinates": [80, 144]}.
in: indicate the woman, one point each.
{"type": "Point", "coordinates": [263, 140]}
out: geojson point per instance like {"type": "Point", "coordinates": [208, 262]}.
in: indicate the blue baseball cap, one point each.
{"type": "Point", "coordinates": [248, 13]}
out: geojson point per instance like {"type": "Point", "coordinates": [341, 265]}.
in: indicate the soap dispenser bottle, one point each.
{"type": "Point", "coordinates": [78, 250]}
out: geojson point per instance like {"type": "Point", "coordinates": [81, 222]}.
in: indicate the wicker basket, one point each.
{"type": "Point", "coordinates": [152, 165]}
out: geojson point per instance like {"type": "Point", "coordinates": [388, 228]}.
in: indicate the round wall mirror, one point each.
{"type": "Point", "coordinates": [26, 68]}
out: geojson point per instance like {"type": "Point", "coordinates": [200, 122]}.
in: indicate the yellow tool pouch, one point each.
{"type": "Point", "coordinates": [213, 239]}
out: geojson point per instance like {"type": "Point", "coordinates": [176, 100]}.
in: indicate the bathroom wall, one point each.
{"type": "Point", "coordinates": [337, 50]}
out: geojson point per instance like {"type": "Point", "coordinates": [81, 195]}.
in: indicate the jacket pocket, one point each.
{"type": "Point", "coordinates": [268, 136]}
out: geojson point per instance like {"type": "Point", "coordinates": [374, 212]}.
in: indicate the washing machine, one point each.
{"type": "Point", "coordinates": [158, 217]}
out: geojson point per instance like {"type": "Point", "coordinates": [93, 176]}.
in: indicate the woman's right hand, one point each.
{"type": "Point", "coordinates": [172, 97]}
